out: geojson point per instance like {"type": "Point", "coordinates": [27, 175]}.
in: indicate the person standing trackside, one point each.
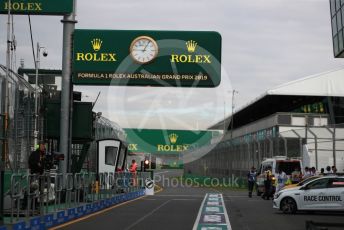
{"type": "Point", "coordinates": [267, 183]}
{"type": "Point", "coordinates": [132, 170]}
{"type": "Point", "coordinates": [281, 180]}
{"type": "Point", "coordinates": [37, 165]}
{"type": "Point", "coordinates": [251, 179]}
{"type": "Point", "coordinates": [296, 176]}
{"type": "Point", "coordinates": [334, 170]}
{"type": "Point", "coordinates": [36, 159]}
{"type": "Point", "coordinates": [133, 167]}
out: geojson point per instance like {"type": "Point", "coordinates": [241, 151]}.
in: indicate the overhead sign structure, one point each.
{"type": "Point", "coordinates": [166, 141]}
{"type": "Point", "coordinates": [37, 7]}
{"type": "Point", "coordinates": [147, 58]}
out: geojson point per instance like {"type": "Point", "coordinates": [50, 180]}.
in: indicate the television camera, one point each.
{"type": "Point", "coordinates": [52, 159]}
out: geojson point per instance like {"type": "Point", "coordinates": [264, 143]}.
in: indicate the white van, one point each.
{"type": "Point", "coordinates": [288, 165]}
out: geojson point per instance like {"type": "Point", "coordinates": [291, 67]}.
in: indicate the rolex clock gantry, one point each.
{"type": "Point", "coordinates": [143, 49]}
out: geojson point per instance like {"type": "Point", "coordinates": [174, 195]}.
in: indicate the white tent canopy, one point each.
{"type": "Point", "coordinates": [324, 84]}
{"type": "Point", "coordinates": [329, 83]}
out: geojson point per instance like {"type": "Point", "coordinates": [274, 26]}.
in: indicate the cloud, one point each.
{"type": "Point", "coordinates": [265, 43]}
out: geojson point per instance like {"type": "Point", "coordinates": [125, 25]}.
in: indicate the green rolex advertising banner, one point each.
{"type": "Point", "coordinates": [158, 141]}
{"type": "Point", "coordinates": [37, 7]}
{"type": "Point", "coordinates": [147, 58]}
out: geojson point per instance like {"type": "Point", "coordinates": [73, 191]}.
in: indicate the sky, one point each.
{"type": "Point", "coordinates": [265, 43]}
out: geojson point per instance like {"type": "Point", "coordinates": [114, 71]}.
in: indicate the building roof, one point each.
{"type": "Point", "coordinates": [289, 96]}
{"type": "Point", "coordinates": [324, 84]}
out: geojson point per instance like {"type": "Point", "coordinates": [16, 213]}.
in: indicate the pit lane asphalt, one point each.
{"type": "Point", "coordinates": [257, 214]}
{"type": "Point", "coordinates": [177, 208]}
{"type": "Point", "coordinates": [174, 208]}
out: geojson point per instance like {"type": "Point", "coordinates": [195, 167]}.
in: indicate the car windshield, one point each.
{"type": "Point", "coordinates": [287, 166]}
{"type": "Point", "coordinates": [306, 180]}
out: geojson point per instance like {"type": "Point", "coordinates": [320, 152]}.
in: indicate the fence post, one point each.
{"type": "Point", "coordinates": [316, 147]}
{"type": "Point", "coordinates": [69, 188]}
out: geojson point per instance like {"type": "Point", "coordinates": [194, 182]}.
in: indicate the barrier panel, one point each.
{"type": "Point", "coordinates": [16, 194]}
{"type": "Point", "coordinates": [71, 212]}
{"type": "Point", "coordinates": [80, 211]}
{"type": "Point", "coordinates": [50, 199]}
{"type": "Point", "coordinates": [21, 225]}
{"type": "Point", "coordinates": [77, 188]}
{"type": "Point", "coordinates": [69, 188]}
{"type": "Point", "coordinates": [49, 220]}
{"type": "Point", "coordinates": [31, 194]}
{"type": "Point", "coordinates": [58, 190]}
{"type": "Point", "coordinates": [35, 223]}
{"type": "Point", "coordinates": [46, 192]}
{"type": "Point", "coordinates": [60, 217]}
{"type": "Point", "coordinates": [88, 209]}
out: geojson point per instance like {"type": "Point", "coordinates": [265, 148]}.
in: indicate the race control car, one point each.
{"type": "Point", "coordinates": [324, 193]}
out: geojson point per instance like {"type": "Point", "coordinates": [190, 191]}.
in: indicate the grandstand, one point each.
{"type": "Point", "coordinates": [299, 119]}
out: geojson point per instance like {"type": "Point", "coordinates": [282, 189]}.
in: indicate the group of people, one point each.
{"type": "Point", "coordinates": [309, 172]}
{"type": "Point", "coordinates": [275, 183]}
{"type": "Point", "coordinates": [272, 183]}
{"type": "Point", "coordinates": [268, 181]}
{"type": "Point", "coordinates": [329, 170]}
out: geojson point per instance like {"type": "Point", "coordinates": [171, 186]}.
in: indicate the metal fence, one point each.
{"type": "Point", "coordinates": [19, 119]}
{"type": "Point", "coordinates": [38, 195]}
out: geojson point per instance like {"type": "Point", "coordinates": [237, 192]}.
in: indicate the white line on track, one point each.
{"type": "Point", "coordinates": [167, 195]}
{"type": "Point", "coordinates": [157, 173]}
{"type": "Point", "coordinates": [199, 214]}
{"type": "Point", "coordinates": [147, 215]}
{"type": "Point", "coordinates": [226, 214]}
{"type": "Point", "coordinates": [184, 199]}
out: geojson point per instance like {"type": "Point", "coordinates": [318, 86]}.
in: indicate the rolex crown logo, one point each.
{"type": "Point", "coordinates": [173, 138]}
{"type": "Point", "coordinates": [191, 46]}
{"type": "Point", "coordinates": [96, 44]}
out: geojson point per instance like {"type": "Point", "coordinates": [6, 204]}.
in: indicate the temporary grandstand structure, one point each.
{"type": "Point", "coordinates": [266, 127]}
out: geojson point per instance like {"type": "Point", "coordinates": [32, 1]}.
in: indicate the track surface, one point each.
{"type": "Point", "coordinates": [177, 208]}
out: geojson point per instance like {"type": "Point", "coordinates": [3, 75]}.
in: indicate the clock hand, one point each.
{"type": "Point", "coordinates": [146, 47]}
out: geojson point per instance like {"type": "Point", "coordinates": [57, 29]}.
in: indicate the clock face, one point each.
{"type": "Point", "coordinates": [143, 49]}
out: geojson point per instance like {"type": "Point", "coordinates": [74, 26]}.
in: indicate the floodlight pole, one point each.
{"type": "Point", "coordinates": [68, 30]}
{"type": "Point", "coordinates": [37, 64]}
{"type": "Point", "coordinates": [224, 116]}
{"type": "Point", "coordinates": [5, 117]}
{"type": "Point", "coordinates": [233, 106]}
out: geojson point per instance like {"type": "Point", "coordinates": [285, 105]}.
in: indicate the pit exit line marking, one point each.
{"type": "Point", "coordinates": [212, 213]}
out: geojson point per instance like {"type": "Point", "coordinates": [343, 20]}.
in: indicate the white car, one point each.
{"type": "Point", "coordinates": [324, 193]}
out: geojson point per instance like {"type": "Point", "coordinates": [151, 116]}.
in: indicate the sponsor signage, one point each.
{"type": "Point", "coordinates": [166, 141]}
{"type": "Point", "coordinates": [37, 7]}
{"type": "Point", "coordinates": [147, 58]}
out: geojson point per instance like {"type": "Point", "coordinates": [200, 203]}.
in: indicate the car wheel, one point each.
{"type": "Point", "coordinates": [288, 205]}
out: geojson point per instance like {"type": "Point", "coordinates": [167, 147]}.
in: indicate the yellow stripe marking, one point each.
{"type": "Point", "coordinates": [93, 214]}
